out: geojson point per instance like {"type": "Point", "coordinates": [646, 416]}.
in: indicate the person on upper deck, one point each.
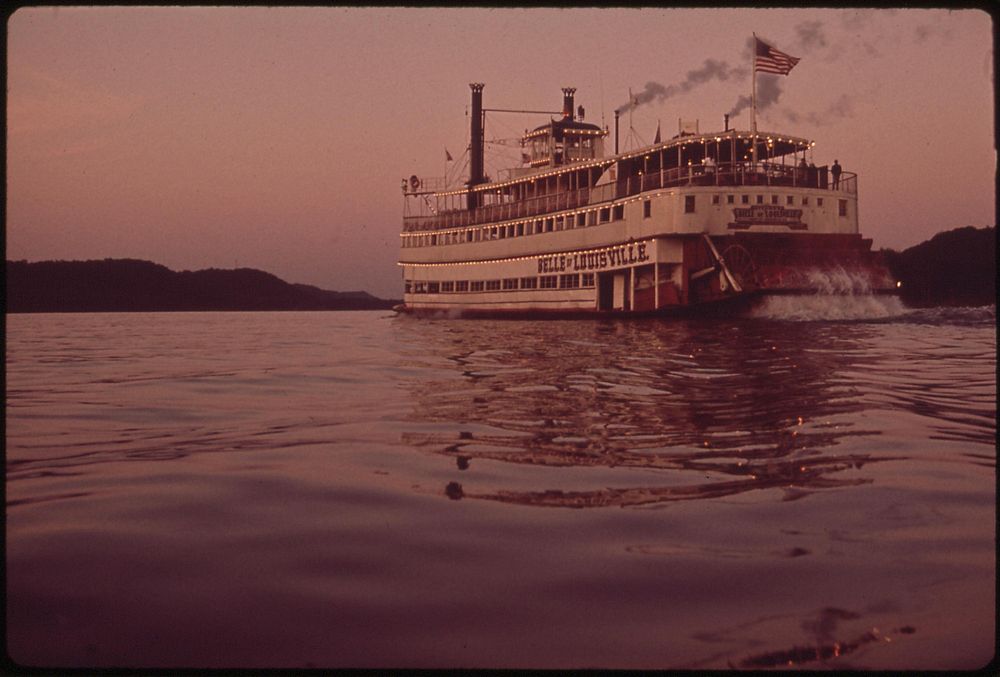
{"type": "Point", "coordinates": [835, 170]}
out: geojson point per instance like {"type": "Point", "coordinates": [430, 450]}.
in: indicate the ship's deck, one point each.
{"type": "Point", "coordinates": [725, 174]}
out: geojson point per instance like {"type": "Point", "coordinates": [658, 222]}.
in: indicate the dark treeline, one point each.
{"type": "Point", "coordinates": [123, 285]}
{"type": "Point", "coordinates": [954, 268]}
{"type": "Point", "coordinates": [957, 267]}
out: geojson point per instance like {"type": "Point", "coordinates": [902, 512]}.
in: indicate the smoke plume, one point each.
{"type": "Point", "coordinates": [853, 33]}
{"type": "Point", "coordinates": [710, 70]}
{"type": "Point", "coordinates": [768, 92]}
{"type": "Point", "coordinates": [843, 107]}
{"type": "Point", "coordinates": [811, 35]}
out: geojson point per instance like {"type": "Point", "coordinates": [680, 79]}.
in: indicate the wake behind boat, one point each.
{"type": "Point", "coordinates": [700, 220]}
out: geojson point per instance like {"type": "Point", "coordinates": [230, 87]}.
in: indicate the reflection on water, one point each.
{"type": "Point", "coordinates": [358, 490]}
{"type": "Point", "coordinates": [828, 644]}
{"type": "Point", "coordinates": [731, 406]}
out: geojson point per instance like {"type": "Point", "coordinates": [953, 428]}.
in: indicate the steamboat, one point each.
{"type": "Point", "coordinates": [698, 222]}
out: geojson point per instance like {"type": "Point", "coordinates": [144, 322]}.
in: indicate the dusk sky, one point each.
{"type": "Point", "coordinates": [276, 138]}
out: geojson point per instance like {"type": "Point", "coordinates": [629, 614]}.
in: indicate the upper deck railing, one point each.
{"type": "Point", "coordinates": [723, 175]}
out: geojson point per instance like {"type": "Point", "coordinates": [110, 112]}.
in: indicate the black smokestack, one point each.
{"type": "Point", "coordinates": [476, 143]}
{"type": "Point", "coordinates": [726, 116]}
{"type": "Point", "coordinates": [616, 132]}
{"type": "Point", "coordinates": [568, 102]}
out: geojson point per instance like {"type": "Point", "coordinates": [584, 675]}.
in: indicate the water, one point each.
{"type": "Point", "coordinates": [814, 487]}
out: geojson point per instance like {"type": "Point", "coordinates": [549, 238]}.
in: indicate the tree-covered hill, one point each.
{"type": "Point", "coordinates": [955, 268]}
{"type": "Point", "coordinates": [132, 285]}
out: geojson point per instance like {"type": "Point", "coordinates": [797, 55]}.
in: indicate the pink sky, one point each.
{"type": "Point", "coordinates": [276, 138]}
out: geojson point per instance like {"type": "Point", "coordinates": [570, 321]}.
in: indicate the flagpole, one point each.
{"type": "Point", "coordinates": [753, 102]}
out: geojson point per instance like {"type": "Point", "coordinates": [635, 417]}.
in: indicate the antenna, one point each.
{"type": "Point", "coordinates": [603, 122]}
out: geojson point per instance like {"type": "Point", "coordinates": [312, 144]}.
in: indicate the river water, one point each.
{"type": "Point", "coordinates": [813, 487]}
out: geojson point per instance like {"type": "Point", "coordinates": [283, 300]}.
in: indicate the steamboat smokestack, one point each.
{"type": "Point", "coordinates": [568, 102]}
{"type": "Point", "coordinates": [727, 121]}
{"type": "Point", "coordinates": [616, 132]}
{"type": "Point", "coordinates": [476, 143]}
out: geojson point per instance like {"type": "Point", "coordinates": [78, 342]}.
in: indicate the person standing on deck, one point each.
{"type": "Point", "coordinates": [835, 170]}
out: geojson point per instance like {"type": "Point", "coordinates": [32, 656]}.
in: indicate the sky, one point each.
{"type": "Point", "coordinates": [276, 138]}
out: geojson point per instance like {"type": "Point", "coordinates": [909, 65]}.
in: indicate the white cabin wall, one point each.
{"type": "Point", "coordinates": [667, 218]}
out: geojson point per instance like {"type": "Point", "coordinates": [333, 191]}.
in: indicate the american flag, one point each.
{"type": "Point", "coordinates": [770, 60]}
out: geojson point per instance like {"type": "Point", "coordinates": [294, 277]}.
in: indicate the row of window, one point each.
{"type": "Point", "coordinates": [581, 220]}
{"type": "Point", "coordinates": [775, 199]}
{"type": "Point", "coordinates": [566, 281]}
{"type": "Point", "coordinates": [541, 225]}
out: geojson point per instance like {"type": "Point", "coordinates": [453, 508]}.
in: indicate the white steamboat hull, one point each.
{"type": "Point", "coordinates": [667, 251]}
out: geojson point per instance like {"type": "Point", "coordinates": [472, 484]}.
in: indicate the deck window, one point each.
{"type": "Point", "coordinates": [433, 287]}
{"type": "Point", "coordinates": [548, 225]}
{"type": "Point", "coordinates": [647, 209]}
{"type": "Point", "coordinates": [689, 204]}
{"type": "Point", "coordinates": [510, 283]}
{"type": "Point", "coordinates": [805, 199]}
{"type": "Point", "coordinates": [588, 280]}
{"type": "Point", "coordinates": [547, 282]}
{"type": "Point", "coordinates": [745, 199]}
{"type": "Point", "coordinates": [774, 199]}
{"type": "Point", "coordinates": [492, 285]}
{"type": "Point", "coordinates": [407, 287]}
{"type": "Point", "coordinates": [819, 202]}
{"type": "Point", "coordinates": [617, 212]}
{"type": "Point", "coordinates": [570, 281]}
{"type": "Point", "coordinates": [529, 283]}
{"type": "Point", "coordinates": [715, 199]}
{"type": "Point", "coordinates": [730, 199]}
{"type": "Point", "coordinates": [559, 223]}
{"type": "Point", "coordinates": [462, 285]}
{"type": "Point", "coordinates": [605, 214]}
{"type": "Point", "coordinates": [592, 218]}
{"type": "Point", "coordinates": [760, 199]}
{"type": "Point", "coordinates": [447, 286]}
{"type": "Point", "coordinates": [520, 229]}
{"type": "Point", "coordinates": [581, 220]}
{"type": "Point", "coordinates": [789, 199]}
{"type": "Point", "coordinates": [842, 207]}
{"type": "Point", "coordinates": [477, 285]}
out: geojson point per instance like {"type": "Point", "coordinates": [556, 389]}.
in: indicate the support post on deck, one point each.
{"type": "Point", "coordinates": [656, 281]}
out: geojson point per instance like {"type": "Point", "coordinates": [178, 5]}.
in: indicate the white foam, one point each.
{"type": "Point", "coordinates": [840, 295]}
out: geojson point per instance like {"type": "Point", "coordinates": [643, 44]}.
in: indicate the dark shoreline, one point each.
{"type": "Point", "coordinates": [953, 268]}
{"type": "Point", "coordinates": [131, 285]}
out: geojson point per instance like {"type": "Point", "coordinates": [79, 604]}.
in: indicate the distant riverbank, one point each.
{"type": "Point", "coordinates": [130, 285]}
{"type": "Point", "coordinates": [954, 268]}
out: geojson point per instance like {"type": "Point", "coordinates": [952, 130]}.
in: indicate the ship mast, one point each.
{"type": "Point", "coordinates": [753, 101]}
